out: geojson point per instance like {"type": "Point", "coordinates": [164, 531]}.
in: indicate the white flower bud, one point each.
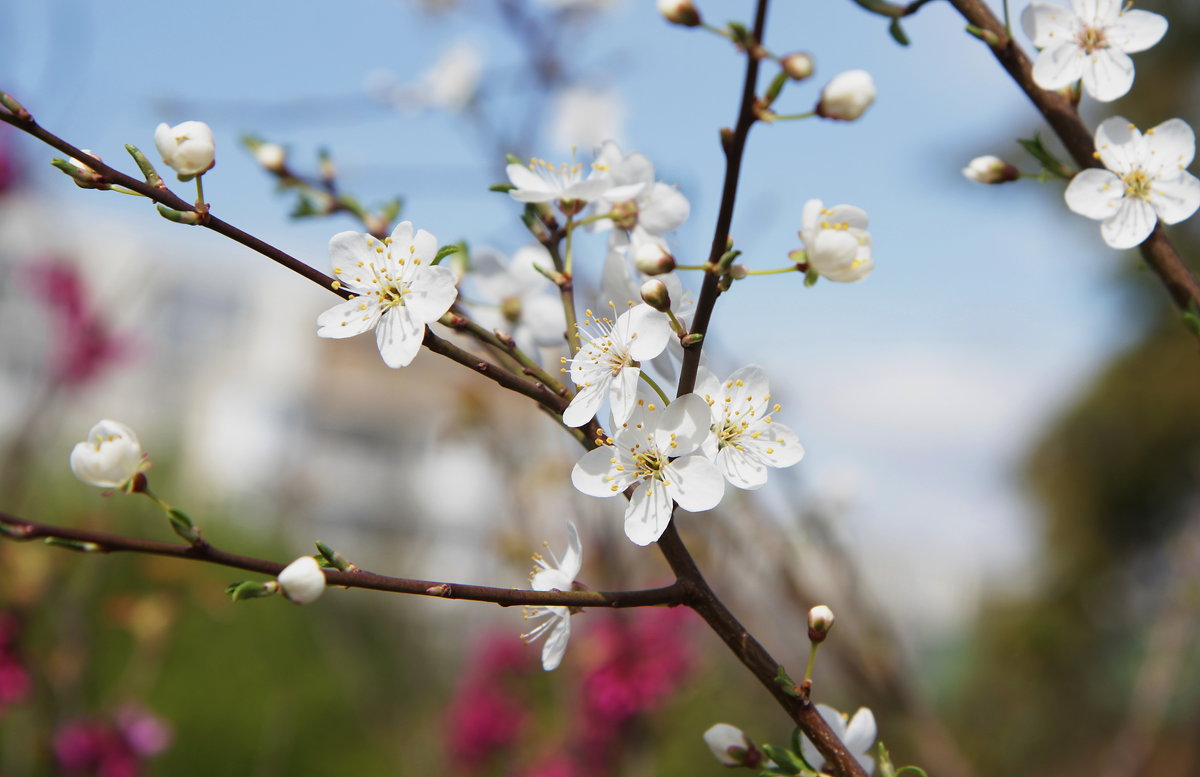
{"type": "Point", "coordinates": [302, 580]}
{"type": "Point", "coordinates": [820, 621]}
{"type": "Point", "coordinates": [187, 148]}
{"type": "Point", "coordinates": [271, 156]}
{"type": "Point", "coordinates": [798, 66]}
{"type": "Point", "coordinates": [990, 169]}
{"type": "Point", "coordinates": [653, 259]}
{"type": "Point", "coordinates": [111, 456]}
{"type": "Point", "coordinates": [86, 168]}
{"type": "Point", "coordinates": [731, 747]}
{"type": "Point", "coordinates": [847, 96]}
{"type": "Point", "coordinates": [680, 12]}
{"type": "Point", "coordinates": [655, 294]}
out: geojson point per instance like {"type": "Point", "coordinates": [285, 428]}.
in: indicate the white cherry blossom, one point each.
{"type": "Point", "coordinates": [1092, 41]}
{"type": "Point", "coordinates": [654, 452]}
{"type": "Point", "coordinates": [398, 290]}
{"type": "Point", "coordinates": [110, 457]}
{"type": "Point", "coordinates": [857, 734]}
{"type": "Point", "coordinates": [745, 441]}
{"type": "Point", "coordinates": [836, 241]}
{"type": "Point", "coordinates": [645, 209]}
{"type": "Point", "coordinates": [1146, 180]}
{"type": "Point", "coordinates": [608, 362]}
{"type": "Point", "coordinates": [186, 148]}
{"type": "Point", "coordinates": [554, 575]}
{"type": "Point", "coordinates": [302, 581]}
{"type": "Point", "coordinates": [542, 181]}
{"type": "Point", "coordinates": [525, 305]}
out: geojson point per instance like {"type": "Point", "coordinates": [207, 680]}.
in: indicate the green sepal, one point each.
{"type": "Point", "coordinates": [811, 277]}
{"type": "Point", "coordinates": [1191, 318]}
{"type": "Point", "coordinates": [76, 545]}
{"type": "Point", "coordinates": [785, 760]}
{"type": "Point", "coordinates": [501, 187]}
{"type": "Point", "coordinates": [1049, 162]}
{"type": "Point", "coordinates": [447, 250]}
{"type": "Point", "coordinates": [250, 589]}
{"type": "Point", "coordinates": [191, 218]}
{"type": "Point", "coordinates": [897, 33]}
{"type": "Point", "coordinates": [148, 172]}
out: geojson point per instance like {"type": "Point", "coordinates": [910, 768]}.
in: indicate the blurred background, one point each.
{"type": "Point", "coordinates": [999, 496]}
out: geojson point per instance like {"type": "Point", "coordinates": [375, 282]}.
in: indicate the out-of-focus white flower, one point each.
{"type": "Point", "coordinates": [186, 148]}
{"type": "Point", "coordinates": [836, 241]}
{"type": "Point", "coordinates": [398, 290]}
{"type": "Point", "coordinates": [1091, 41]}
{"type": "Point", "coordinates": [607, 364]}
{"type": "Point", "coordinates": [271, 156]}
{"type": "Point", "coordinates": [680, 12]}
{"type": "Point", "coordinates": [541, 181]}
{"type": "Point", "coordinates": [731, 746]}
{"type": "Point", "coordinates": [452, 82]}
{"type": "Point", "coordinates": [525, 306]}
{"type": "Point", "coordinates": [990, 169]}
{"type": "Point", "coordinates": [857, 734]}
{"type": "Point", "coordinates": [653, 451]}
{"type": "Point", "coordinates": [110, 457]}
{"type": "Point", "coordinates": [302, 581]}
{"type": "Point", "coordinates": [798, 66]}
{"type": "Point", "coordinates": [746, 441]}
{"type": "Point", "coordinates": [644, 209]}
{"type": "Point", "coordinates": [1146, 180]}
{"type": "Point", "coordinates": [847, 96]}
{"type": "Point", "coordinates": [583, 117]}
{"type": "Point", "coordinates": [554, 575]}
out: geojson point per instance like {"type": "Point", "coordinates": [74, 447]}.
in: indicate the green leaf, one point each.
{"type": "Point", "coordinates": [897, 32]}
{"type": "Point", "coordinates": [811, 277]}
{"type": "Point", "coordinates": [446, 250]}
{"type": "Point", "coordinates": [784, 759]}
{"type": "Point", "coordinates": [1049, 162]}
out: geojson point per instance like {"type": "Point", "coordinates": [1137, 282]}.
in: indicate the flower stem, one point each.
{"type": "Point", "coordinates": [776, 271]}
{"type": "Point", "coordinates": [704, 267]}
{"type": "Point", "coordinates": [662, 394]}
{"type": "Point", "coordinates": [812, 659]}
{"type": "Point", "coordinates": [791, 116]}
{"type": "Point", "coordinates": [200, 190]}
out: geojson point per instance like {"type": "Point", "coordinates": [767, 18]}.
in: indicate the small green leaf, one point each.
{"type": "Point", "coordinates": [148, 172]}
{"type": "Point", "coordinates": [1191, 318]}
{"type": "Point", "coordinates": [191, 218]}
{"type": "Point", "coordinates": [76, 545]}
{"type": "Point", "coordinates": [897, 32]}
{"type": "Point", "coordinates": [1049, 162]}
{"type": "Point", "coordinates": [784, 759]}
{"type": "Point", "coordinates": [447, 250]}
{"type": "Point", "coordinates": [811, 277]}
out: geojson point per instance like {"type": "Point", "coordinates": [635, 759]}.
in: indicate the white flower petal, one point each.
{"type": "Point", "coordinates": [1107, 74]}
{"type": "Point", "coordinates": [1175, 199]}
{"type": "Point", "coordinates": [586, 404]}
{"type": "Point", "coordinates": [594, 472]}
{"type": "Point", "coordinates": [1170, 147]}
{"type": "Point", "coordinates": [1136, 30]}
{"type": "Point", "coordinates": [623, 393]}
{"type": "Point", "coordinates": [542, 319]}
{"type": "Point", "coordinates": [431, 293]}
{"type": "Point", "coordinates": [347, 319]}
{"type": "Point", "coordinates": [1094, 193]}
{"type": "Point", "coordinates": [694, 482]}
{"type": "Point", "coordinates": [860, 731]}
{"type": "Point", "coordinates": [1120, 146]}
{"type": "Point", "coordinates": [352, 257]}
{"type": "Point", "coordinates": [686, 423]}
{"type": "Point", "coordinates": [1059, 65]}
{"type": "Point", "coordinates": [572, 560]}
{"type": "Point", "coordinates": [556, 644]}
{"type": "Point", "coordinates": [648, 513]}
{"type": "Point", "coordinates": [1047, 25]}
{"type": "Point", "coordinates": [529, 182]}
{"type": "Point", "coordinates": [652, 329]}
{"type": "Point", "coordinates": [665, 210]}
{"type": "Point", "coordinates": [741, 469]}
{"type": "Point", "coordinates": [399, 335]}
{"type": "Point", "coordinates": [1130, 225]}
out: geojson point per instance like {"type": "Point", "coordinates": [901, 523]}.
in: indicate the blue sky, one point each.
{"type": "Point", "coordinates": [922, 384]}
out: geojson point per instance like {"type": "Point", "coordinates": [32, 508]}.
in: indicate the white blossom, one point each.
{"type": "Point", "coordinates": [608, 362]}
{"type": "Point", "coordinates": [654, 452]}
{"type": "Point", "coordinates": [453, 80]}
{"type": "Point", "coordinates": [398, 291]}
{"type": "Point", "coordinates": [621, 285]}
{"type": "Point", "coordinates": [857, 734]}
{"type": "Point", "coordinates": [110, 457]}
{"type": "Point", "coordinates": [847, 96]}
{"type": "Point", "coordinates": [644, 209]}
{"type": "Point", "coordinates": [1091, 41]}
{"type": "Point", "coordinates": [302, 581]}
{"type": "Point", "coordinates": [585, 117]}
{"type": "Point", "coordinates": [554, 575]}
{"type": "Point", "coordinates": [186, 148]}
{"type": "Point", "coordinates": [541, 181]}
{"type": "Point", "coordinates": [518, 299]}
{"type": "Point", "coordinates": [989, 169]}
{"type": "Point", "coordinates": [1146, 180]}
{"type": "Point", "coordinates": [836, 241]}
{"type": "Point", "coordinates": [746, 440]}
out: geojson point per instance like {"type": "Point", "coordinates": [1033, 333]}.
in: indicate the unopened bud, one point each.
{"type": "Point", "coordinates": [302, 581]}
{"type": "Point", "coordinates": [271, 156]}
{"type": "Point", "coordinates": [738, 272]}
{"type": "Point", "coordinates": [990, 169]}
{"type": "Point", "coordinates": [655, 294]}
{"type": "Point", "coordinates": [653, 259]}
{"type": "Point", "coordinates": [798, 66]}
{"type": "Point", "coordinates": [680, 12]}
{"type": "Point", "coordinates": [847, 96]}
{"type": "Point", "coordinates": [732, 747]}
{"type": "Point", "coordinates": [90, 178]}
{"type": "Point", "coordinates": [820, 621]}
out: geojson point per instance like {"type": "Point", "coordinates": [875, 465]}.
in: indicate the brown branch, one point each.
{"type": "Point", "coordinates": [22, 530]}
{"type": "Point", "coordinates": [1157, 251]}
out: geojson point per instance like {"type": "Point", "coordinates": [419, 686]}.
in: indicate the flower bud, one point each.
{"type": "Point", "coordinates": [820, 621]}
{"type": "Point", "coordinates": [680, 12]}
{"type": "Point", "coordinates": [97, 180]}
{"type": "Point", "coordinates": [798, 66]}
{"type": "Point", "coordinates": [738, 271]}
{"type": "Point", "coordinates": [731, 747]}
{"type": "Point", "coordinates": [847, 96]}
{"type": "Point", "coordinates": [271, 156]}
{"type": "Point", "coordinates": [653, 259]}
{"type": "Point", "coordinates": [186, 148]}
{"type": "Point", "coordinates": [111, 457]}
{"type": "Point", "coordinates": [302, 581]}
{"type": "Point", "coordinates": [990, 169]}
{"type": "Point", "coordinates": [655, 294]}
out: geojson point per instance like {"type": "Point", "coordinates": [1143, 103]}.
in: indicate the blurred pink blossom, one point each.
{"type": "Point", "coordinates": [83, 345]}
{"type": "Point", "coordinates": [14, 677]}
{"type": "Point", "coordinates": [116, 748]}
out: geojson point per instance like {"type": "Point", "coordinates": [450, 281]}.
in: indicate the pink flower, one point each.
{"type": "Point", "coordinates": [83, 345]}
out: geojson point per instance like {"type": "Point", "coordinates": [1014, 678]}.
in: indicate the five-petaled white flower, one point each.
{"type": "Point", "coordinates": [857, 734]}
{"type": "Point", "coordinates": [1146, 180]}
{"type": "Point", "coordinates": [836, 241]}
{"type": "Point", "coordinates": [607, 364]}
{"type": "Point", "coordinates": [398, 290]}
{"type": "Point", "coordinates": [643, 209]}
{"type": "Point", "coordinates": [521, 303]}
{"type": "Point", "coordinates": [110, 457]}
{"type": "Point", "coordinates": [653, 451]}
{"type": "Point", "coordinates": [186, 148]}
{"type": "Point", "coordinates": [554, 575]}
{"type": "Point", "coordinates": [745, 440]}
{"type": "Point", "coordinates": [1092, 40]}
{"type": "Point", "coordinates": [543, 182]}
{"type": "Point", "coordinates": [302, 581]}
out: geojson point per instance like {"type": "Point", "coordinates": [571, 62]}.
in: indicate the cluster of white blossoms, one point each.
{"type": "Point", "coordinates": [1146, 178]}
{"type": "Point", "coordinates": [684, 452]}
{"type": "Point", "coordinates": [554, 575]}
